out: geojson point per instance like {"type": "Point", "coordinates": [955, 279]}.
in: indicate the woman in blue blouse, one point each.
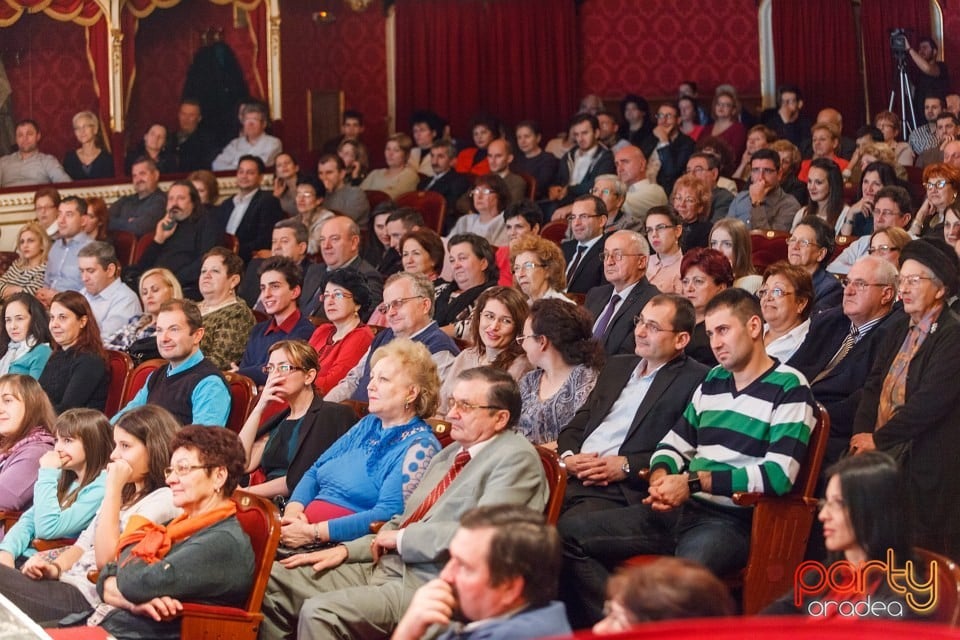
{"type": "Point", "coordinates": [368, 473]}
{"type": "Point", "coordinates": [25, 336]}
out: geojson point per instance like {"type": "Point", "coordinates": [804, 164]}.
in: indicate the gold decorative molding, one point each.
{"type": "Point", "coordinates": [273, 60]}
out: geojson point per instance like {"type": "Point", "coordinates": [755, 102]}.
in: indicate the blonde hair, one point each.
{"type": "Point", "coordinates": [37, 230]}
{"type": "Point", "coordinates": [548, 253]}
{"type": "Point", "coordinates": [417, 363]}
{"type": "Point", "coordinates": [167, 276]}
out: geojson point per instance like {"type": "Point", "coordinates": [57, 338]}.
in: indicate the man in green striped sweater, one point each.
{"type": "Point", "coordinates": [746, 429]}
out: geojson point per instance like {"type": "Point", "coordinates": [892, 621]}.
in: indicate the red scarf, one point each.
{"type": "Point", "coordinates": [153, 541]}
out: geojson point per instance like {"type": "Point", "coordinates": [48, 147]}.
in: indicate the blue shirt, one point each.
{"type": "Point", "coordinates": [210, 398]}
{"type": "Point", "coordinates": [63, 263]}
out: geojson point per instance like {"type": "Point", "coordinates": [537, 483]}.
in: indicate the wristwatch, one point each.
{"type": "Point", "coordinates": [625, 467]}
{"type": "Point", "coordinates": [693, 483]}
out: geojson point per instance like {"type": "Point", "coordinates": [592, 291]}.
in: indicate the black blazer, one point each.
{"type": "Point", "coordinates": [322, 425]}
{"type": "Point", "coordinates": [256, 229]}
{"type": "Point", "coordinates": [659, 411]}
{"type": "Point", "coordinates": [930, 421]}
{"type": "Point", "coordinates": [451, 186]}
{"type": "Point", "coordinates": [602, 164]}
{"type": "Point", "coordinates": [589, 273]}
{"type": "Point", "coordinates": [619, 337]}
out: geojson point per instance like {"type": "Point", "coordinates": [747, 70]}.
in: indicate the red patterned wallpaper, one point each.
{"type": "Point", "coordinates": [651, 46]}
{"type": "Point", "coordinates": [951, 37]}
{"type": "Point", "coordinates": [166, 42]}
{"type": "Point", "coordinates": [348, 54]}
{"type": "Point", "coordinates": [52, 80]}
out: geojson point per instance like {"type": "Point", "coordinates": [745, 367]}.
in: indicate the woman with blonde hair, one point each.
{"type": "Point", "coordinates": [538, 268]}
{"type": "Point", "coordinates": [138, 336]}
{"type": "Point", "coordinates": [26, 274]}
{"type": "Point", "coordinates": [888, 243]}
{"type": "Point", "coordinates": [90, 160]}
{"type": "Point", "coordinates": [398, 178]}
{"type": "Point", "coordinates": [691, 200]}
{"type": "Point", "coordinates": [726, 122]}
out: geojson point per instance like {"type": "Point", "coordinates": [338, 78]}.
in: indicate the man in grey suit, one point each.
{"type": "Point", "coordinates": [614, 305]}
{"type": "Point", "coordinates": [361, 589]}
{"type": "Point", "coordinates": [636, 401]}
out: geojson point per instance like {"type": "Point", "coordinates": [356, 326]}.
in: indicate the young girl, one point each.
{"type": "Point", "coordinates": [51, 585]}
{"type": "Point", "coordinates": [70, 485]}
{"type": "Point", "coordinates": [25, 336]}
{"type": "Point", "coordinates": [26, 433]}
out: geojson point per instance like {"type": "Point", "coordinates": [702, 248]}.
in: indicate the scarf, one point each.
{"type": "Point", "coordinates": [153, 541]}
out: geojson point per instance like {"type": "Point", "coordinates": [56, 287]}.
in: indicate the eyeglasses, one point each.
{"type": "Point", "coordinates": [886, 213]}
{"type": "Point", "coordinates": [279, 368]}
{"type": "Point", "coordinates": [582, 217]}
{"type": "Point", "coordinates": [665, 116]}
{"type": "Point", "coordinates": [696, 282]}
{"type": "Point", "coordinates": [183, 468]}
{"type": "Point", "coordinates": [336, 295]}
{"type": "Point", "coordinates": [832, 505]}
{"type": "Point", "coordinates": [912, 281]}
{"type": "Point", "coordinates": [520, 339]}
{"type": "Point", "coordinates": [601, 192]}
{"type": "Point", "coordinates": [461, 406]}
{"type": "Point", "coordinates": [617, 255]}
{"type": "Point", "coordinates": [697, 170]}
{"type": "Point", "coordinates": [776, 292]}
{"type": "Point", "coordinates": [492, 317]}
{"type": "Point", "coordinates": [883, 249]}
{"type": "Point", "coordinates": [651, 327]}
{"type": "Point", "coordinates": [528, 266]}
{"type": "Point", "coordinates": [395, 304]}
{"type": "Point", "coordinates": [481, 192]}
{"type": "Point", "coordinates": [800, 242]}
{"type": "Point", "coordinates": [688, 200]}
{"type": "Point", "coordinates": [859, 285]}
{"type": "Point", "coordinates": [935, 184]}
{"type": "Point", "coordinates": [660, 228]}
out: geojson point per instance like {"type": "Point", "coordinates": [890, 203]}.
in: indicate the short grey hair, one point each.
{"type": "Point", "coordinates": [102, 251]}
{"type": "Point", "coordinates": [883, 270]}
{"type": "Point", "coordinates": [638, 242]}
{"type": "Point", "coordinates": [421, 285]}
{"type": "Point", "coordinates": [618, 186]}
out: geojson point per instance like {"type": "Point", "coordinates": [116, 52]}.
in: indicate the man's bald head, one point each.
{"type": "Point", "coordinates": [631, 164]}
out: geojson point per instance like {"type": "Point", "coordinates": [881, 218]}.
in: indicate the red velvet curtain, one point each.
{"type": "Point", "coordinates": [84, 12]}
{"type": "Point", "coordinates": [513, 59]}
{"type": "Point", "coordinates": [878, 17]}
{"type": "Point", "coordinates": [815, 47]}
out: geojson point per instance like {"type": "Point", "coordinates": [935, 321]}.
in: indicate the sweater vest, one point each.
{"type": "Point", "coordinates": [175, 393]}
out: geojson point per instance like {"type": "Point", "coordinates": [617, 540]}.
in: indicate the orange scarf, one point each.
{"type": "Point", "coordinates": [153, 541]}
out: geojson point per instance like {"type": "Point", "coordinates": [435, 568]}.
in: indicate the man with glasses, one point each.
{"type": "Point", "coordinates": [586, 221]}
{"type": "Point", "coordinates": [667, 146]}
{"type": "Point", "coordinates": [408, 306]}
{"type": "Point", "coordinates": [636, 400]}
{"type": "Point", "coordinates": [189, 386]}
{"type": "Point", "coordinates": [841, 346]}
{"type": "Point", "coordinates": [746, 428]}
{"type": "Point", "coordinates": [893, 208]}
{"type": "Point", "coordinates": [765, 205]}
{"type": "Point", "coordinates": [705, 167]}
{"type": "Point", "coordinates": [616, 304]}
{"type": "Point", "coordinates": [613, 192]}
{"type": "Point", "coordinates": [360, 589]}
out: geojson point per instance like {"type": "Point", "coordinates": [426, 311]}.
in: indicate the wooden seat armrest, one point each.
{"type": "Point", "coordinates": [376, 525]}
{"type": "Point", "coordinates": [746, 498]}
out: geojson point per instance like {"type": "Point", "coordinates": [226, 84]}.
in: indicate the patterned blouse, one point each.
{"type": "Point", "coordinates": [226, 332]}
{"type": "Point", "coordinates": [29, 279]}
{"type": "Point", "coordinates": [142, 325]}
{"type": "Point", "coordinates": [541, 420]}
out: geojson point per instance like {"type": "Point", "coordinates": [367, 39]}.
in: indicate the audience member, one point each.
{"type": "Point", "coordinates": [558, 341]}
{"type": "Point", "coordinates": [253, 140]}
{"type": "Point", "coordinates": [473, 160]}
{"type": "Point", "coordinates": [667, 148]}
{"type": "Point", "coordinates": [825, 186]}
{"type": "Point", "coordinates": [519, 219]}
{"type": "Point", "coordinates": [500, 579]}
{"type": "Point", "coordinates": [76, 374]}
{"type": "Point", "coordinates": [664, 228]}
{"type": "Point", "coordinates": [874, 177]}
{"type": "Point", "coordinates": [825, 141]}
{"type": "Point", "coordinates": [488, 200]}
{"type": "Point", "coordinates": [139, 212]}
{"type": "Point", "coordinates": [426, 127]}
{"type": "Point", "coordinates": [789, 166]}
{"type": "Point", "coordinates": [888, 123]}
{"type": "Point", "coordinates": [615, 305]}
{"type": "Point", "coordinates": [227, 320]}
{"type": "Point", "coordinates": [422, 253]}
{"type": "Point", "coordinates": [286, 175]}
{"type": "Point", "coordinates": [24, 336]}
{"type": "Point", "coordinates": [705, 167]}
{"type": "Point", "coordinates": [26, 274]}
{"type": "Point", "coordinates": [765, 205]}
{"type": "Point", "coordinates": [499, 157]}
{"type": "Point", "coordinates": [251, 214]}
{"type": "Point", "coordinates": [192, 146]}
{"type": "Point", "coordinates": [473, 270]}
{"type": "Point", "coordinates": [942, 184]}
{"type": "Point", "coordinates": [46, 203]}
{"type": "Point", "coordinates": [188, 385]}
{"type": "Point", "coordinates": [340, 196]}
{"type": "Point", "coordinates": [310, 210]}
{"type": "Point", "coordinates": [786, 120]}
{"type": "Point", "coordinates": [925, 135]}
{"type": "Point", "coordinates": [356, 161]}
{"type": "Point", "coordinates": [786, 301]}
{"type": "Point", "coordinates": [726, 122]}
{"type": "Point", "coordinates": [810, 247]}
{"type": "Point", "coordinates": [351, 128]}
{"type": "Point", "coordinates": [63, 269]}
{"type": "Point", "coordinates": [635, 110]}
{"type": "Point", "coordinates": [289, 240]}
{"type": "Point", "coordinates": [340, 249]}
{"type": "Point", "coordinates": [89, 161]}
{"type": "Point", "coordinates": [445, 179]}
{"type": "Point", "coordinates": [96, 219]}
{"type": "Point", "coordinates": [579, 166]}
{"type": "Point", "coordinates": [731, 237]}
{"type": "Point", "coordinates": [587, 219]}
{"type": "Point", "coordinates": [758, 137]}
{"type": "Point", "coordinates": [893, 209]}
{"type": "Point", "coordinates": [888, 243]}
{"type": "Point", "coordinates": [348, 600]}
{"type": "Point", "coordinates": [397, 178]}
{"type": "Point", "coordinates": [26, 436]}
{"type": "Point", "coordinates": [153, 146]}
{"type": "Point", "coordinates": [112, 302]}
{"type": "Point", "coordinates": [532, 160]}
{"type": "Point", "coordinates": [206, 185]}
{"type": "Point", "coordinates": [27, 165]}
{"type": "Point", "coordinates": [138, 337]}
{"type": "Point", "coordinates": [641, 192]}
{"type": "Point", "coordinates": [691, 201]}
{"type": "Point", "coordinates": [538, 268]}
{"type": "Point", "coordinates": [703, 274]}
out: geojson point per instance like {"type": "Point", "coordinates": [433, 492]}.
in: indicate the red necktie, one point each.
{"type": "Point", "coordinates": [458, 464]}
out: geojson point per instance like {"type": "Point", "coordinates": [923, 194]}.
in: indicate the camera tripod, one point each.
{"type": "Point", "coordinates": [900, 80]}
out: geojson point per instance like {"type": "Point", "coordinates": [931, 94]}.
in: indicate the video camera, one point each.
{"type": "Point", "coordinates": [898, 40]}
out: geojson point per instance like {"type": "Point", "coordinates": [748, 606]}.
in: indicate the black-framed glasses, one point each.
{"type": "Point", "coordinates": [279, 368]}
{"type": "Point", "coordinates": [935, 184]}
{"type": "Point", "coordinates": [394, 304]}
{"type": "Point", "coordinates": [651, 327]}
{"type": "Point", "coordinates": [660, 228]}
{"type": "Point", "coordinates": [462, 406]}
{"type": "Point", "coordinates": [183, 468]}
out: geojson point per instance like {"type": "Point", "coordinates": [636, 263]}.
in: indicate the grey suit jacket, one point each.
{"type": "Point", "coordinates": [508, 470]}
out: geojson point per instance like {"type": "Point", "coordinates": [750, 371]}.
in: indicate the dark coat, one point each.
{"type": "Point", "coordinates": [589, 273]}
{"type": "Point", "coordinates": [619, 337]}
{"type": "Point", "coordinates": [256, 228]}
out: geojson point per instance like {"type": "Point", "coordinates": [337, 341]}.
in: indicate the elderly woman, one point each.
{"type": "Point", "coordinates": [825, 186]}
{"type": "Point", "coordinates": [704, 273]}
{"type": "Point", "coordinates": [888, 243]}
{"type": "Point", "coordinates": [825, 140]}
{"type": "Point", "coordinates": [538, 268]}
{"type": "Point", "coordinates": [910, 406]}
{"type": "Point", "coordinates": [500, 319]}
{"type": "Point", "coordinates": [488, 199]}
{"type": "Point", "coordinates": [283, 448]}
{"type": "Point", "coordinates": [731, 237]}
{"type": "Point", "coordinates": [889, 125]}
{"type": "Point", "coordinates": [691, 200]}
{"type": "Point", "coordinates": [786, 300]}
{"type": "Point", "coordinates": [474, 270]}
{"type": "Point", "coordinates": [206, 185]}
{"type": "Point", "coordinates": [227, 320]}
{"type": "Point", "coordinates": [663, 230]}
{"type": "Point", "coordinates": [26, 273]}
{"type": "Point", "coordinates": [726, 122]}
{"type": "Point", "coordinates": [942, 182]}
{"type": "Point", "coordinates": [391, 447]}
{"type": "Point", "coordinates": [558, 340]}
{"type": "Point", "coordinates": [341, 342]}
{"type": "Point", "coordinates": [398, 178]}
{"type": "Point", "coordinates": [76, 374]}
{"type": "Point", "coordinates": [138, 338]}
{"type": "Point", "coordinates": [25, 336]}
{"type": "Point", "coordinates": [356, 161]}
{"type": "Point", "coordinates": [859, 217]}
{"type": "Point", "coordinates": [202, 555]}
{"type": "Point", "coordinates": [89, 161]}
{"type": "Point", "coordinates": [810, 247]}
{"type": "Point", "coordinates": [26, 433]}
